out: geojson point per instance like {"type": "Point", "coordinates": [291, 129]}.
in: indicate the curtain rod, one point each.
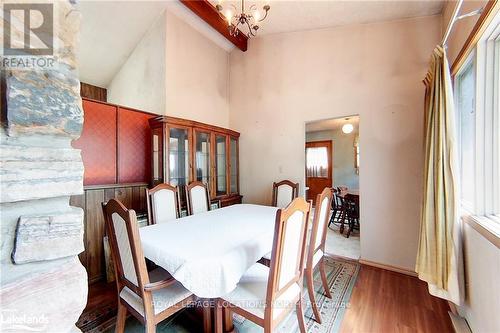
{"type": "Point", "coordinates": [455, 18]}
{"type": "Point", "coordinates": [452, 21]}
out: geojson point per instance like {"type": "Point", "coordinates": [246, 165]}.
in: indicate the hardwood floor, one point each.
{"type": "Point", "coordinates": [382, 301]}
{"type": "Point", "coordinates": [101, 307]}
{"type": "Point", "coordinates": [385, 301]}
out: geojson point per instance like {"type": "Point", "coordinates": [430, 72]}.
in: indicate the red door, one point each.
{"type": "Point", "coordinates": [318, 167]}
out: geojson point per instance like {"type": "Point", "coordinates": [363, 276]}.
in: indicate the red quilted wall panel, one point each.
{"type": "Point", "coordinates": [134, 146]}
{"type": "Point", "coordinates": [98, 143]}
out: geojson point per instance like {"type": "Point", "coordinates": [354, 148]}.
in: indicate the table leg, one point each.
{"type": "Point", "coordinates": [342, 218]}
{"type": "Point", "coordinates": [207, 316]}
{"type": "Point", "coordinates": [228, 321]}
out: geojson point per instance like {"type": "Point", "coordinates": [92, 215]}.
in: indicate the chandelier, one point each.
{"type": "Point", "coordinates": [246, 19]}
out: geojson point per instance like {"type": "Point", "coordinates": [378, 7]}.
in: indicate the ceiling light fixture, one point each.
{"type": "Point", "coordinates": [247, 20]}
{"type": "Point", "coordinates": [347, 128]}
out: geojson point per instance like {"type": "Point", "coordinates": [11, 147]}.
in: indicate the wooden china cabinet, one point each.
{"type": "Point", "coordinates": [185, 150]}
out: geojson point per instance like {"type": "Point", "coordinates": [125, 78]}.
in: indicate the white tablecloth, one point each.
{"type": "Point", "coordinates": [209, 252]}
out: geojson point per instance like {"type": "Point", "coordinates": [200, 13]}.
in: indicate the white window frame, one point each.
{"type": "Point", "coordinates": [488, 122]}
{"type": "Point", "coordinates": [467, 207]}
{"type": "Point", "coordinates": [486, 62]}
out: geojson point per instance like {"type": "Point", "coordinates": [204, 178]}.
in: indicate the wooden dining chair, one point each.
{"type": "Point", "coordinates": [316, 248]}
{"type": "Point", "coordinates": [337, 208]}
{"type": "Point", "coordinates": [284, 192]}
{"type": "Point", "coordinates": [198, 197]}
{"type": "Point", "coordinates": [267, 295]}
{"type": "Point", "coordinates": [351, 212]}
{"type": "Point", "coordinates": [163, 203]}
{"type": "Point", "coordinates": [151, 297]}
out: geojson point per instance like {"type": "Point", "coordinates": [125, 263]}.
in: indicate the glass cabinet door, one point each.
{"type": "Point", "coordinates": [233, 164]}
{"type": "Point", "coordinates": [157, 156]}
{"type": "Point", "coordinates": [178, 156]}
{"type": "Point", "coordinates": [220, 165]}
{"type": "Point", "coordinates": [202, 157]}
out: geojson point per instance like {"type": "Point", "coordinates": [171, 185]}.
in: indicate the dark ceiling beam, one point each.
{"type": "Point", "coordinates": [209, 14]}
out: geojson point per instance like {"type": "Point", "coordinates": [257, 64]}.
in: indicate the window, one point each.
{"type": "Point", "coordinates": [465, 91]}
{"type": "Point", "coordinates": [477, 100]}
{"type": "Point", "coordinates": [317, 162]}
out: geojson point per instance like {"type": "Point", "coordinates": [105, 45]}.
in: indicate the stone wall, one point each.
{"type": "Point", "coordinates": [43, 286]}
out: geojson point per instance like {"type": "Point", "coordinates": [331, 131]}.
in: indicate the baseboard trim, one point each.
{"type": "Point", "coordinates": [387, 267]}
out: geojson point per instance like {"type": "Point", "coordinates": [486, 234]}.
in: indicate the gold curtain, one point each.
{"type": "Point", "coordinates": [439, 244]}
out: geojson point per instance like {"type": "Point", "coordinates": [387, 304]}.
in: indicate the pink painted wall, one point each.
{"type": "Point", "coordinates": [374, 70]}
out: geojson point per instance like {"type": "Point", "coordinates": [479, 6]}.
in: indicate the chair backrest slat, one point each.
{"type": "Point", "coordinates": [163, 203]}
{"type": "Point", "coordinates": [320, 222]}
{"type": "Point", "coordinates": [198, 198]}
{"type": "Point", "coordinates": [126, 249]}
{"type": "Point", "coordinates": [288, 253]}
{"type": "Point", "coordinates": [284, 192]}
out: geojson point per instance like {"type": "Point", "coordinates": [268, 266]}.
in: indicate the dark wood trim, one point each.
{"type": "Point", "coordinates": [117, 148]}
{"type": "Point", "coordinates": [155, 122]}
{"type": "Point", "coordinates": [105, 186]}
{"type": "Point", "coordinates": [204, 10]}
{"type": "Point", "coordinates": [489, 11]}
{"type": "Point", "coordinates": [93, 92]}
{"type": "Point", "coordinates": [118, 106]}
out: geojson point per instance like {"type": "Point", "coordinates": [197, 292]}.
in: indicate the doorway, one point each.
{"type": "Point", "coordinates": [332, 156]}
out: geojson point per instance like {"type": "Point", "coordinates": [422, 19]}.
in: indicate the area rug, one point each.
{"type": "Point", "coordinates": [341, 277]}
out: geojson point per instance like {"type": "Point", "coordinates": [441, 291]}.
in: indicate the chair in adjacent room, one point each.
{"type": "Point", "coordinates": [163, 203]}
{"type": "Point", "coordinates": [337, 208]}
{"type": "Point", "coordinates": [284, 192]}
{"type": "Point", "coordinates": [351, 212]}
{"type": "Point", "coordinates": [197, 197]}
{"type": "Point", "coordinates": [265, 295]}
{"type": "Point", "coordinates": [149, 297]}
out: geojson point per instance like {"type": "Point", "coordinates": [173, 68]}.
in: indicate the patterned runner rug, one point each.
{"type": "Point", "coordinates": [341, 278]}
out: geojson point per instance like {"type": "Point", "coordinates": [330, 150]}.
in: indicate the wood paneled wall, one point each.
{"type": "Point", "coordinates": [132, 196]}
{"type": "Point", "coordinates": [115, 144]}
{"type": "Point", "coordinates": [93, 92]}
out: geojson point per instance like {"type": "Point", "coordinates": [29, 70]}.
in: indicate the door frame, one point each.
{"type": "Point", "coordinates": [321, 143]}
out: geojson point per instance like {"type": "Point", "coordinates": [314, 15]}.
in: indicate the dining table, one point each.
{"type": "Point", "coordinates": [209, 252]}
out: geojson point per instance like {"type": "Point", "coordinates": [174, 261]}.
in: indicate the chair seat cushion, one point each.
{"type": "Point", "coordinates": [250, 293]}
{"type": "Point", "coordinates": [162, 299]}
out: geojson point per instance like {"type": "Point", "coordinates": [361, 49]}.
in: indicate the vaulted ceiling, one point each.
{"type": "Point", "coordinates": [298, 15]}
{"type": "Point", "coordinates": [111, 29]}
